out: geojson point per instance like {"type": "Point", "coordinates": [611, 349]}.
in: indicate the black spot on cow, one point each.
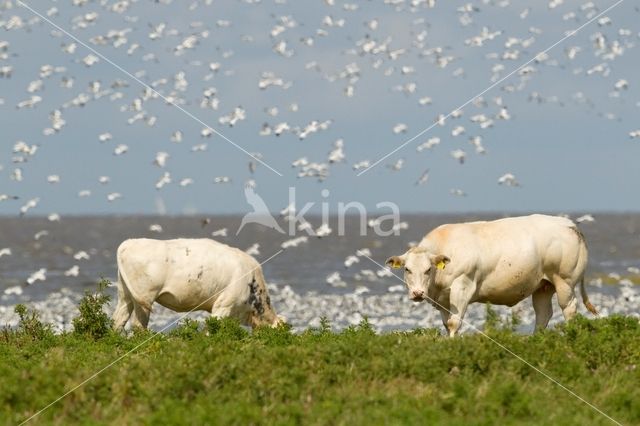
{"type": "Point", "coordinates": [255, 297]}
{"type": "Point", "coordinates": [200, 273]}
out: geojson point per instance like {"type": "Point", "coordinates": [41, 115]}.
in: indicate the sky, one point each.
{"type": "Point", "coordinates": [567, 140]}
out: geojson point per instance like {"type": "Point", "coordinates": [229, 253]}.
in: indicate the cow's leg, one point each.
{"type": "Point", "coordinates": [462, 290]}
{"type": "Point", "coordinates": [224, 305]}
{"type": "Point", "coordinates": [124, 308]}
{"type": "Point", "coordinates": [221, 311]}
{"type": "Point", "coordinates": [566, 297]}
{"type": "Point", "coordinates": [444, 314]}
{"type": "Point", "coordinates": [541, 299]}
{"type": "Point", "coordinates": [141, 316]}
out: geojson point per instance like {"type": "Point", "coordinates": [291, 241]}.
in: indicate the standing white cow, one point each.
{"type": "Point", "coordinates": [500, 262]}
{"type": "Point", "coordinates": [190, 274]}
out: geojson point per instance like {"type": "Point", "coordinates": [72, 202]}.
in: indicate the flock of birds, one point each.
{"type": "Point", "coordinates": [188, 64]}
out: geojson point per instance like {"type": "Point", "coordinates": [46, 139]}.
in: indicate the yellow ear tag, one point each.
{"type": "Point", "coordinates": [396, 264]}
{"type": "Point", "coordinates": [440, 265]}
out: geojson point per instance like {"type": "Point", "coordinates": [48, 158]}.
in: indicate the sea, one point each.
{"type": "Point", "coordinates": [305, 270]}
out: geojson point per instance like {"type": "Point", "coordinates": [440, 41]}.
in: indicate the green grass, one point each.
{"type": "Point", "coordinates": [218, 373]}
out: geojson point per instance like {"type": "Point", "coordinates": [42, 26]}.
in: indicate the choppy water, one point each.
{"type": "Point", "coordinates": [299, 274]}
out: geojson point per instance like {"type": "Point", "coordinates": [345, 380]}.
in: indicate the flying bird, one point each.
{"type": "Point", "coordinates": [39, 275]}
{"type": "Point", "coordinates": [74, 271]}
{"type": "Point", "coordinates": [508, 179]}
{"type": "Point", "coordinates": [222, 232]}
{"type": "Point", "coordinates": [424, 178]}
{"type": "Point", "coordinates": [587, 218]}
{"type": "Point", "coordinates": [459, 155]}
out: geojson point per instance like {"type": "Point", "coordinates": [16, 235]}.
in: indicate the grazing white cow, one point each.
{"type": "Point", "coordinates": [190, 274]}
{"type": "Point", "coordinates": [500, 262]}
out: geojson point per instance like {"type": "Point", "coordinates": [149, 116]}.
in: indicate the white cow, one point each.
{"type": "Point", "coordinates": [190, 274]}
{"type": "Point", "coordinates": [500, 262]}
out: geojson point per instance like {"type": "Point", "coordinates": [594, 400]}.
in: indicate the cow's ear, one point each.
{"type": "Point", "coordinates": [395, 262]}
{"type": "Point", "coordinates": [441, 261]}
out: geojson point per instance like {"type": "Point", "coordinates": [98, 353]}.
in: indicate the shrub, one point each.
{"type": "Point", "coordinates": [325, 325]}
{"type": "Point", "coordinates": [225, 328]}
{"type": "Point", "coordinates": [363, 328]}
{"type": "Point", "coordinates": [93, 320]}
{"type": "Point", "coordinates": [492, 320]}
{"type": "Point", "coordinates": [274, 336]}
{"type": "Point", "coordinates": [515, 320]}
{"type": "Point", "coordinates": [188, 329]}
{"type": "Point", "coordinates": [432, 333]}
{"type": "Point", "coordinates": [30, 324]}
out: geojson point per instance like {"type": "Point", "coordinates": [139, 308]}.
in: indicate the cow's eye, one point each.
{"type": "Point", "coordinates": [407, 270]}
{"type": "Point", "coordinates": [427, 271]}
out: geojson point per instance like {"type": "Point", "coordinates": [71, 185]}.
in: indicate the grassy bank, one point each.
{"type": "Point", "coordinates": [218, 373]}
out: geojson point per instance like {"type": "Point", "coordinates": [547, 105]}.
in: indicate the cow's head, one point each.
{"type": "Point", "coordinates": [420, 269]}
{"type": "Point", "coordinates": [260, 310]}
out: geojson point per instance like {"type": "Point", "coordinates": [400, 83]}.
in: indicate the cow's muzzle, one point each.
{"type": "Point", "coordinates": [417, 295]}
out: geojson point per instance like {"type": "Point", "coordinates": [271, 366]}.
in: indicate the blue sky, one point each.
{"type": "Point", "coordinates": [569, 153]}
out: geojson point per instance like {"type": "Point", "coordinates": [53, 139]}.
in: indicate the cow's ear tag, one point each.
{"type": "Point", "coordinates": [396, 264]}
{"type": "Point", "coordinates": [441, 264]}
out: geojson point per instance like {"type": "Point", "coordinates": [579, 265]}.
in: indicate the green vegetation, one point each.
{"type": "Point", "coordinates": [218, 373]}
{"type": "Point", "coordinates": [616, 278]}
{"type": "Point", "coordinates": [93, 321]}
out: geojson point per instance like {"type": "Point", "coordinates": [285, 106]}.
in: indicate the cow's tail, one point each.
{"type": "Point", "coordinates": [583, 291]}
{"type": "Point", "coordinates": [127, 288]}
{"type": "Point", "coordinates": [585, 299]}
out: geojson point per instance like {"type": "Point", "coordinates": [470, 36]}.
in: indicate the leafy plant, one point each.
{"type": "Point", "coordinates": [325, 325]}
{"type": "Point", "coordinates": [30, 324]}
{"type": "Point", "coordinates": [515, 320]}
{"type": "Point", "coordinates": [492, 319]}
{"type": "Point", "coordinates": [187, 329]}
{"type": "Point", "coordinates": [93, 321]}
{"type": "Point", "coordinates": [225, 328]}
{"type": "Point", "coordinates": [278, 336]}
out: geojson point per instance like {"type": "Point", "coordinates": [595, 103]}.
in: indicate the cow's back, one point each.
{"type": "Point", "coordinates": [172, 251]}
{"type": "Point", "coordinates": [191, 270]}
{"type": "Point", "coordinates": [143, 257]}
{"type": "Point", "coordinates": [523, 232]}
{"type": "Point", "coordinates": [207, 259]}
